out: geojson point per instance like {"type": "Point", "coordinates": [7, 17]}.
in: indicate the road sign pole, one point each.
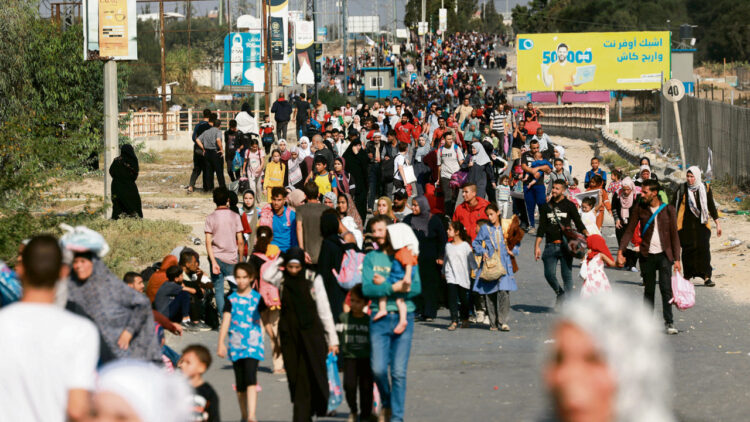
{"type": "Point", "coordinates": [679, 135]}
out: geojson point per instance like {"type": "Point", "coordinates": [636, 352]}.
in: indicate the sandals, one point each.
{"type": "Point", "coordinates": [504, 327]}
{"type": "Point", "coordinates": [453, 326]}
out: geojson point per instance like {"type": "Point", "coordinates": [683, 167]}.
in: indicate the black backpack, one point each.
{"type": "Point", "coordinates": [150, 270]}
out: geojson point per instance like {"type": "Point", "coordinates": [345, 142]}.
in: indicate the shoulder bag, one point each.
{"type": "Point", "coordinates": [493, 267]}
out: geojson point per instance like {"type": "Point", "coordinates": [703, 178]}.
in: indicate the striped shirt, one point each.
{"type": "Point", "coordinates": [498, 120]}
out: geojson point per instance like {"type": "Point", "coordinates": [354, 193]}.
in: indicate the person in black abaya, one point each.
{"type": "Point", "coordinates": [331, 252]}
{"type": "Point", "coordinates": [432, 239]}
{"type": "Point", "coordinates": [357, 166]}
{"type": "Point", "coordinates": [307, 334]}
{"type": "Point", "coordinates": [126, 201]}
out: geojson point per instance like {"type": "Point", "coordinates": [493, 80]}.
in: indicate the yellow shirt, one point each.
{"type": "Point", "coordinates": [562, 75]}
{"type": "Point", "coordinates": [274, 176]}
{"type": "Point", "coordinates": [324, 184]}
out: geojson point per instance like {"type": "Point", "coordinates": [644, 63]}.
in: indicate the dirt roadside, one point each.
{"type": "Point", "coordinates": [730, 263]}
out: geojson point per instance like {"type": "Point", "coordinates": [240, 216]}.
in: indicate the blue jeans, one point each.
{"type": "Point", "coordinates": [552, 253]}
{"type": "Point", "coordinates": [537, 195]}
{"type": "Point", "coordinates": [218, 282]}
{"type": "Point", "coordinates": [389, 349]}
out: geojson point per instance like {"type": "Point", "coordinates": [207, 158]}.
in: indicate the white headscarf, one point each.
{"type": "Point", "coordinates": [700, 189]}
{"type": "Point", "coordinates": [154, 394]}
{"type": "Point", "coordinates": [634, 348]}
{"type": "Point", "coordinates": [480, 158]}
{"type": "Point", "coordinates": [304, 152]}
{"type": "Point", "coordinates": [402, 235]}
{"type": "Point", "coordinates": [560, 149]}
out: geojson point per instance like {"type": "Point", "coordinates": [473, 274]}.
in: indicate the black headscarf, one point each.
{"type": "Point", "coordinates": [298, 289]}
{"type": "Point", "coordinates": [246, 108]}
{"type": "Point", "coordinates": [329, 225]}
{"type": "Point", "coordinates": [128, 157]}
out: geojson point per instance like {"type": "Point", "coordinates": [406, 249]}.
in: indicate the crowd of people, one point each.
{"type": "Point", "coordinates": [335, 244]}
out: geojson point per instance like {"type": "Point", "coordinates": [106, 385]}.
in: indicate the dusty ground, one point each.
{"type": "Point", "coordinates": [730, 263]}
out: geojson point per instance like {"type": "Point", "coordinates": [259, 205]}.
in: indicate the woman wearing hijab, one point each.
{"type": "Point", "coordinates": [304, 147]}
{"type": "Point", "coordinates": [622, 204]}
{"type": "Point", "coordinates": [284, 151]}
{"type": "Point", "coordinates": [294, 164]}
{"type": "Point", "coordinates": [480, 169]}
{"type": "Point", "coordinates": [343, 178]}
{"type": "Point", "coordinates": [432, 239]}
{"type": "Point", "coordinates": [357, 164]}
{"type": "Point", "coordinates": [559, 152]}
{"type": "Point", "coordinates": [246, 123]}
{"type": "Point", "coordinates": [646, 174]}
{"type": "Point", "coordinates": [124, 171]}
{"type": "Point", "coordinates": [595, 369]}
{"type": "Point", "coordinates": [345, 208]}
{"type": "Point", "coordinates": [307, 333]}
{"type": "Point", "coordinates": [122, 315]}
{"type": "Point", "coordinates": [695, 210]}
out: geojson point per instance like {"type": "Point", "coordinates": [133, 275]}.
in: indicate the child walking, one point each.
{"type": "Point", "coordinates": [490, 240]}
{"type": "Point", "coordinates": [275, 174]}
{"type": "Point", "coordinates": [592, 267]}
{"type": "Point", "coordinates": [243, 324]}
{"type": "Point", "coordinates": [354, 334]}
{"type": "Point", "coordinates": [459, 261]}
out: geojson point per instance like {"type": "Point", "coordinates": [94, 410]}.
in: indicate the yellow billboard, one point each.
{"type": "Point", "coordinates": [593, 61]}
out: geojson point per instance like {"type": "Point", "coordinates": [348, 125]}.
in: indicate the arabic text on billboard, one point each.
{"type": "Point", "coordinates": [593, 61]}
{"type": "Point", "coordinates": [242, 60]}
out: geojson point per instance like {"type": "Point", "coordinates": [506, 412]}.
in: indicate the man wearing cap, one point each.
{"type": "Point", "coordinates": [282, 111]}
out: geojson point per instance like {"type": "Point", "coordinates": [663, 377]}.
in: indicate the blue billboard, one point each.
{"type": "Point", "coordinates": [243, 64]}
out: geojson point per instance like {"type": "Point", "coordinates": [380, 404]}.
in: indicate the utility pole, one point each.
{"type": "Point", "coordinates": [110, 124]}
{"type": "Point", "coordinates": [163, 74]}
{"type": "Point", "coordinates": [266, 56]}
{"type": "Point", "coordinates": [344, 36]}
{"type": "Point", "coordinates": [424, 37]}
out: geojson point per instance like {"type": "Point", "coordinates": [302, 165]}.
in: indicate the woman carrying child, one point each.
{"type": "Point", "coordinates": [242, 322]}
{"type": "Point", "coordinates": [496, 292]}
{"type": "Point", "coordinates": [307, 333]}
{"type": "Point", "coordinates": [459, 261]}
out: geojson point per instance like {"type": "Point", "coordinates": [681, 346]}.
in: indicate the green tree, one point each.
{"type": "Point", "coordinates": [181, 62]}
{"type": "Point", "coordinates": [722, 29]}
{"type": "Point", "coordinates": [492, 21]}
{"type": "Point", "coordinates": [52, 109]}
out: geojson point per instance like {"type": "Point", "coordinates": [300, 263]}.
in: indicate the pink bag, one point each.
{"type": "Point", "coordinates": [683, 292]}
{"type": "Point", "coordinates": [268, 291]}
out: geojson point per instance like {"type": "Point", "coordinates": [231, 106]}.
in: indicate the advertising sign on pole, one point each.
{"type": "Point", "coordinates": [243, 66]}
{"type": "Point", "coordinates": [304, 35]}
{"type": "Point", "coordinates": [443, 19]}
{"type": "Point", "coordinates": [279, 26]}
{"type": "Point", "coordinates": [110, 30]}
{"type": "Point", "coordinates": [594, 61]}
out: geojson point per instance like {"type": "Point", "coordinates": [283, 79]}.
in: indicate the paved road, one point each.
{"type": "Point", "coordinates": [452, 375]}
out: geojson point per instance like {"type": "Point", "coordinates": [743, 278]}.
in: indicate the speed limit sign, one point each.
{"type": "Point", "coordinates": [673, 90]}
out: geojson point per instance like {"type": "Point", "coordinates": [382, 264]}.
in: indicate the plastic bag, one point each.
{"type": "Point", "coordinates": [683, 292]}
{"type": "Point", "coordinates": [83, 239]}
{"type": "Point", "coordinates": [335, 395]}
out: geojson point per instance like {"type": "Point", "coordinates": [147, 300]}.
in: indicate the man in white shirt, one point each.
{"type": "Point", "coordinates": [48, 356]}
{"type": "Point", "coordinates": [449, 160]}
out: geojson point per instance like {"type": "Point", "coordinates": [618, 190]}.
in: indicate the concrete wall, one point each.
{"type": "Point", "coordinates": [180, 141]}
{"type": "Point", "coordinates": [635, 130]}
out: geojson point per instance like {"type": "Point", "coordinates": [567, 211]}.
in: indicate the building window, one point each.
{"type": "Point", "coordinates": [376, 82]}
